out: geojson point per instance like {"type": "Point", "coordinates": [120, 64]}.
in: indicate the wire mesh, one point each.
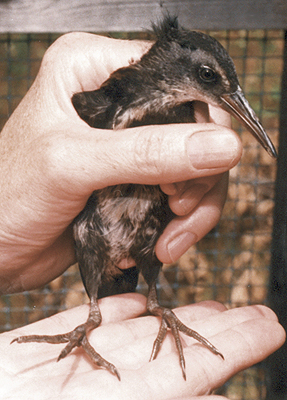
{"type": "Point", "coordinates": [231, 263]}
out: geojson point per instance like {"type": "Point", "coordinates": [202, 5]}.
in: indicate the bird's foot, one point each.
{"type": "Point", "coordinates": [75, 338]}
{"type": "Point", "coordinates": [170, 320]}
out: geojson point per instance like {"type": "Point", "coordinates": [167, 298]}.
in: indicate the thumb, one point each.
{"type": "Point", "coordinates": [146, 154]}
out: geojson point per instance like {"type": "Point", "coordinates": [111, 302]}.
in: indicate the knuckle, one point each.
{"type": "Point", "coordinates": [65, 48]}
{"type": "Point", "coordinates": [148, 152]}
{"type": "Point", "coordinates": [55, 158]}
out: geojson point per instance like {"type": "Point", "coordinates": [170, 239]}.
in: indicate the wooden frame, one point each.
{"type": "Point", "coordinates": [136, 15]}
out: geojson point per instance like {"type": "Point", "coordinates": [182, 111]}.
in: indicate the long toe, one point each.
{"type": "Point", "coordinates": [54, 339]}
{"type": "Point", "coordinates": [98, 359]}
{"type": "Point", "coordinates": [170, 319]}
{"type": "Point", "coordinates": [75, 338]}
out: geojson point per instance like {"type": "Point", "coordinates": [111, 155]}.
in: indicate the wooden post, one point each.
{"type": "Point", "coordinates": [277, 291]}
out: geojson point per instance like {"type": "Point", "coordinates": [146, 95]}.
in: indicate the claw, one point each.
{"type": "Point", "coordinates": [159, 339]}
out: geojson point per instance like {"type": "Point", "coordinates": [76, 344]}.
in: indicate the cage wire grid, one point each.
{"type": "Point", "coordinates": [231, 263]}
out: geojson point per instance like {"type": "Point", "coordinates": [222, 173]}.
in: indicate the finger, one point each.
{"type": "Point", "coordinates": [143, 155]}
{"type": "Point", "coordinates": [135, 351]}
{"type": "Point", "coordinates": [190, 194]}
{"type": "Point", "coordinates": [243, 345]}
{"type": "Point", "coordinates": [182, 232]}
{"type": "Point", "coordinates": [208, 397]}
{"type": "Point", "coordinates": [211, 397]}
{"type": "Point", "coordinates": [203, 113]}
{"type": "Point", "coordinates": [219, 116]}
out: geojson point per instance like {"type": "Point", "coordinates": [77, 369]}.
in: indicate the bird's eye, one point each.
{"type": "Point", "coordinates": [207, 74]}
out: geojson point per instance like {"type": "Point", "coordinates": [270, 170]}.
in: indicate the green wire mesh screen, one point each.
{"type": "Point", "coordinates": [231, 263]}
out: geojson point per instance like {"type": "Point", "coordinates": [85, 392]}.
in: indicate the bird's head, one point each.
{"type": "Point", "coordinates": [195, 66]}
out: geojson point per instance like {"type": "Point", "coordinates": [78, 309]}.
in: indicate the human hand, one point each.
{"type": "Point", "coordinates": [51, 161]}
{"type": "Point", "coordinates": [244, 335]}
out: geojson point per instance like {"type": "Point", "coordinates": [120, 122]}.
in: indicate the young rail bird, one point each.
{"type": "Point", "coordinates": [125, 221]}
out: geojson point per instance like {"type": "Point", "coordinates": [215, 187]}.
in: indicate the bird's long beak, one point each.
{"type": "Point", "coordinates": [237, 105]}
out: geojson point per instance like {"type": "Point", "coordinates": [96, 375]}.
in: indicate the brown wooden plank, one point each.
{"type": "Point", "coordinates": [136, 15]}
{"type": "Point", "coordinates": [276, 364]}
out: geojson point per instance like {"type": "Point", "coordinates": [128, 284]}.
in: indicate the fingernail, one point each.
{"type": "Point", "coordinates": [179, 245]}
{"type": "Point", "coordinates": [168, 188]}
{"type": "Point", "coordinates": [212, 149]}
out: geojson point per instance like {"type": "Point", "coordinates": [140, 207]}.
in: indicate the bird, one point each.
{"type": "Point", "coordinates": [124, 222]}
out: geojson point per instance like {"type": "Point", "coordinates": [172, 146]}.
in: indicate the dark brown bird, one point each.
{"type": "Point", "coordinates": [125, 221]}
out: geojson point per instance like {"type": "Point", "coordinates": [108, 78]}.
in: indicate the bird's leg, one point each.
{"type": "Point", "coordinates": [76, 338]}
{"type": "Point", "coordinates": [170, 320]}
